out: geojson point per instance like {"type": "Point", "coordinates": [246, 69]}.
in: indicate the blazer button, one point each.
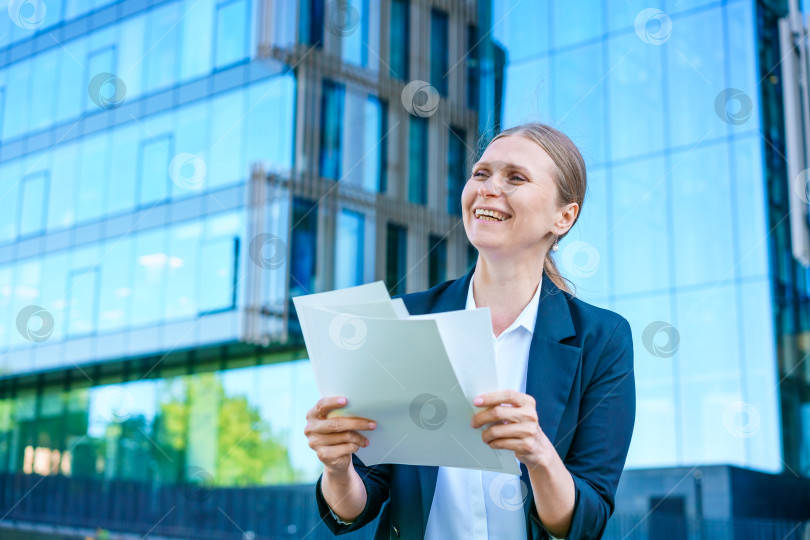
{"type": "Point", "coordinates": [396, 530]}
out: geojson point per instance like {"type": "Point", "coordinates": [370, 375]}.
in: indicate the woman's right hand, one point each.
{"type": "Point", "coordinates": [335, 439]}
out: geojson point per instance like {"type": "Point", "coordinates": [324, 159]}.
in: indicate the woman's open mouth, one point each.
{"type": "Point", "coordinates": [484, 214]}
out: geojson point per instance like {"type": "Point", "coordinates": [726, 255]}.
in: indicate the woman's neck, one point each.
{"type": "Point", "coordinates": [506, 287]}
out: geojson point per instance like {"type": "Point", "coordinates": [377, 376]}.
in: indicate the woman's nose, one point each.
{"type": "Point", "coordinates": [490, 187]}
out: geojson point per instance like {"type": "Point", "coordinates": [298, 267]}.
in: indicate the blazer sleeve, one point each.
{"type": "Point", "coordinates": [377, 481]}
{"type": "Point", "coordinates": [599, 448]}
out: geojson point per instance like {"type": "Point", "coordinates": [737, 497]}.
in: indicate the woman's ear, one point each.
{"type": "Point", "coordinates": [567, 218]}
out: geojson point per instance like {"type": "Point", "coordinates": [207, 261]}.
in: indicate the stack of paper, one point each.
{"type": "Point", "coordinates": [416, 376]}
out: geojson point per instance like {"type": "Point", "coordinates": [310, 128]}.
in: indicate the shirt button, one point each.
{"type": "Point", "coordinates": [396, 530]}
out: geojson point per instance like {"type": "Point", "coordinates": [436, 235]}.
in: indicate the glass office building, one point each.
{"type": "Point", "coordinates": [172, 172]}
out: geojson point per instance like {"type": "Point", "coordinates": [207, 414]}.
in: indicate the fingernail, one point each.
{"type": "Point", "coordinates": [478, 401]}
{"type": "Point", "coordinates": [372, 425]}
{"type": "Point", "coordinates": [365, 443]}
{"type": "Point", "coordinates": [341, 401]}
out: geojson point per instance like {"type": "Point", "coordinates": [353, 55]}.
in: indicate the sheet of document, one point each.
{"type": "Point", "coordinates": [416, 376]}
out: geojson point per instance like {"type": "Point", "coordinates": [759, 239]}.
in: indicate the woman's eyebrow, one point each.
{"type": "Point", "coordinates": [502, 165]}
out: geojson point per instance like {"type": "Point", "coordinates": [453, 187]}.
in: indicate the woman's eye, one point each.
{"type": "Point", "coordinates": [478, 173]}
{"type": "Point", "coordinates": [518, 179]}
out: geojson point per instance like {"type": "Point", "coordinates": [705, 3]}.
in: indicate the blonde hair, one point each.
{"type": "Point", "coordinates": [569, 176]}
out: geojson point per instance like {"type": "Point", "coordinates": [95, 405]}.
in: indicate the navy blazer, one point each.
{"type": "Point", "coordinates": [580, 373]}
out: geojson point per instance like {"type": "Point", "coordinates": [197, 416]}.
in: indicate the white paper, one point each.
{"type": "Point", "coordinates": [398, 372]}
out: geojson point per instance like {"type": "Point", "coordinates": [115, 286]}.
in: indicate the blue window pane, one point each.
{"type": "Point", "coordinates": [374, 144]}
{"type": "Point", "coordinates": [742, 68]}
{"type": "Point", "coordinates": [639, 215]}
{"type": "Point", "coordinates": [355, 35]}
{"type": "Point", "coordinates": [575, 22]}
{"type": "Point", "coordinates": [103, 60]}
{"type": "Point", "coordinates": [197, 38]}
{"type": "Point", "coordinates": [521, 27]}
{"type": "Point", "coordinates": [160, 60]}
{"type": "Point", "coordinates": [184, 242]}
{"type": "Point", "coordinates": [226, 163]}
{"type": "Point", "coordinates": [439, 53]}
{"type": "Point", "coordinates": [232, 32]}
{"type": "Point", "coordinates": [578, 103]}
{"type": "Point", "coordinates": [527, 92]}
{"type": "Point", "coordinates": [396, 255]}
{"type": "Point", "coordinates": [42, 96]}
{"type": "Point", "coordinates": [418, 160]}
{"type": "Point", "coordinates": [123, 169]}
{"type": "Point", "coordinates": [456, 168]}
{"type": "Point", "coordinates": [116, 284]}
{"type": "Point", "coordinates": [82, 301]}
{"type": "Point", "coordinates": [61, 213]}
{"type": "Point", "coordinates": [15, 119]}
{"type": "Point", "coordinates": [400, 39]}
{"type": "Point", "coordinates": [275, 99]}
{"type": "Point", "coordinates": [696, 66]}
{"type": "Point", "coordinates": [437, 260]}
{"type": "Point", "coordinates": [622, 15]}
{"type": "Point", "coordinates": [154, 169]}
{"type": "Point", "coordinates": [655, 441]}
{"type": "Point", "coordinates": [349, 249]}
{"type": "Point", "coordinates": [7, 323]}
{"type": "Point", "coordinates": [701, 201]}
{"type": "Point", "coordinates": [331, 129]}
{"type": "Point", "coordinates": [33, 203]}
{"type": "Point", "coordinates": [2, 107]}
{"type": "Point", "coordinates": [72, 91]}
{"type": "Point", "coordinates": [750, 206]}
{"type": "Point", "coordinates": [94, 170]}
{"type": "Point", "coordinates": [12, 175]}
{"type": "Point", "coordinates": [132, 46]}
{"type": "Point", "coordinates": [55, 290]}
{"type": "Point", "coordinates": [304, 247]}
{"type": "Point", "coordinates": [473, 67]}
{"type": "Point", "coordinates": [218, 274]}
{"type": "Point", "coordinates": [148, 291]}
{"type": "Point", "coordinates": [636, 103]}
{"type": "Point", "coordinates": [311, 21]}
{"type": "Point", "coordinates": [27, 280]}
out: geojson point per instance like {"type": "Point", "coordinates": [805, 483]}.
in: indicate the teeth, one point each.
{"type": "Point", "coordinates": [489, 215]}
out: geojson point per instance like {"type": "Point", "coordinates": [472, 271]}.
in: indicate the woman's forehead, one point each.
{"type": "Point", "coordinates": [517, 152]}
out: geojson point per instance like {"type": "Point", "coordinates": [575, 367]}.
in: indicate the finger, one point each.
{"type": "Point", "coordinates": [338, 424]}
{"type": "Point", "coordinates": [328, 454]}
{"type": "Point", "coordinates": [497, 397]}
{"type": "Point", "coordinates": [505, 431]}
{"type": "Point", "coordinates": [498, 414]}
{"type": "Point", "coordinates": [332, 439]}
{"type": "Point", "coordinates": [326, 405]}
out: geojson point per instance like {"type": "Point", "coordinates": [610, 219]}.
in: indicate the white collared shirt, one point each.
{"type": "Point", "coordinates": [481, 505]}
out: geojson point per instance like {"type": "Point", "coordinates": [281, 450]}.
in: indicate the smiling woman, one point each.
{"type": "Point", "coordinates": [566, 399]}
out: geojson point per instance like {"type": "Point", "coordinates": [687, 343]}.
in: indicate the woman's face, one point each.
{"type": "Point", "coordinates": [513, 179]}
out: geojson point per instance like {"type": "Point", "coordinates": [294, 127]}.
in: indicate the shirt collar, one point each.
{"type": "Point", "coordinates": [527, 317]}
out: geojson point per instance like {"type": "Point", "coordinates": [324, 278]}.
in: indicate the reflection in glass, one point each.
{"type": "Point", "coordinates": [439, 52]}
{"type": "Point", "coordinates": [33, 203]}
{"type": "Point", "coordinates": [304, 247]}
{"type": "Point", "coordinates": [331, 129]}
{"type": "Point", "coordinates": [400, 39]}
{"type": "Point", "coordinates": [396, 252]}
{"type": "Point", "coordinates": [418, 160]}
{"type": "Point", "coordinates": [232, 32]}
{"type": "Point", "coordinates": [349, 249]}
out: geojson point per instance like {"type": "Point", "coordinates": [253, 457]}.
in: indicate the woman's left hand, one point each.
{"type": "Point", "coordinates": [513, 426]}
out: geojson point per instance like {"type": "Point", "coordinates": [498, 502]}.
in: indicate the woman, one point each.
{"type": "Point", "coordinates": [567, 406]}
